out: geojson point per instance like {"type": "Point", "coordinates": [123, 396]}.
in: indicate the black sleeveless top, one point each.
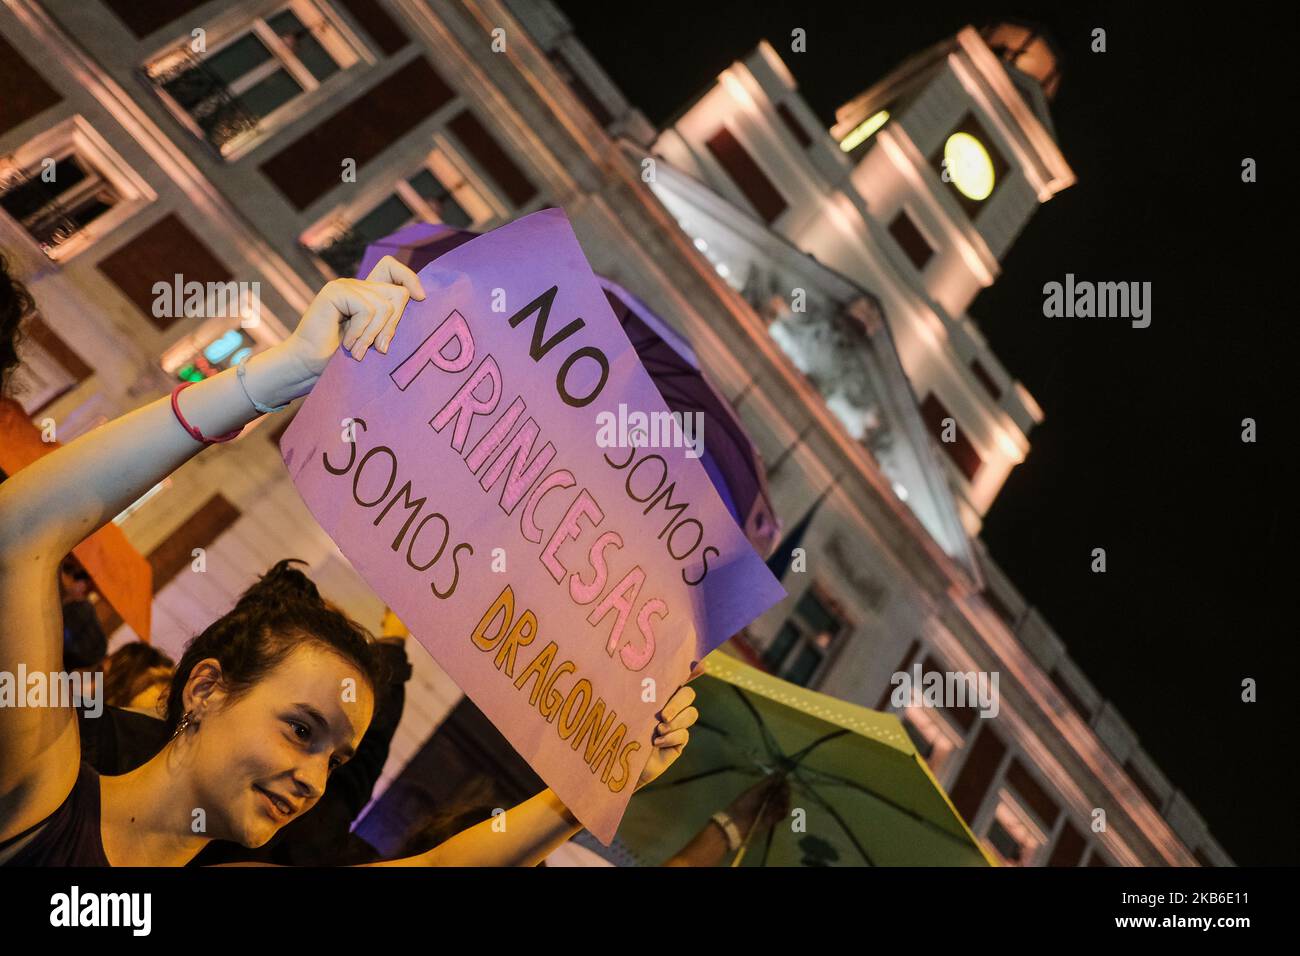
{"type": "Point", "coordinates": [70, 835]}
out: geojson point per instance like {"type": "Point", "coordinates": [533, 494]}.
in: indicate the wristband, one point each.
{"type": "Point", "coordinates": [722, 819]}
{"type": "Point", "coordinates": [194, 432]}
{"type": "Point", "coordinates": [265, 409]}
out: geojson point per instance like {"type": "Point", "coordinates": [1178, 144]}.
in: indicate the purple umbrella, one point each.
{"type": "Point", "coordinates": [730, 458]}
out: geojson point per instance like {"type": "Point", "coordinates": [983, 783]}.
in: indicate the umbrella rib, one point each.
{"type": "Point", "coordinates": [852, 784]}
{"type": "Point", "coordinates": [663, 785]}
{"type": "Point", "coordinates": [768, 740]}
{"type": "Point", "coordinates": [798, 757]}
{"type": "Point", "coordinates": [838, 819]}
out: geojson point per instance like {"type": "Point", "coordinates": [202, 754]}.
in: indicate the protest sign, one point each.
{"type": "Point", "coordinates": [473, 475]}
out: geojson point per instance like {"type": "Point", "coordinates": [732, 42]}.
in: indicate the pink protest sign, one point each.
{"type": "Point", "coordinates": [479, 477]}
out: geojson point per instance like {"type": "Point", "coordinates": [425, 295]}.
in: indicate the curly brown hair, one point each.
{"type": "Point", "coordinates": [276, 614]}
{"type": "Point", "coordinates": [15, 303]}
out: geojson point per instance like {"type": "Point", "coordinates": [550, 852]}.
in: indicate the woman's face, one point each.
{"type": "Point", "coordinates": [262, 759]}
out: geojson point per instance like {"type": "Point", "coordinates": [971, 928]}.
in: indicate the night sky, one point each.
{"type": "Point", "coordinates": [1141, 450]}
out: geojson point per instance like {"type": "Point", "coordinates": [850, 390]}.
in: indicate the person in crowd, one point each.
{"type": "Point", "coordinates": [84, 640]}
{"type": "Point", "coordinates": [255, 716]}
{"type": "Point", "coordinates": [136, 677]}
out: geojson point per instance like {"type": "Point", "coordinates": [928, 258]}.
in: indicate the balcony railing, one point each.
{"type": "Point", "coordinates": [204, 96]}
{"type": "Point", "coordinates": [35, 205]}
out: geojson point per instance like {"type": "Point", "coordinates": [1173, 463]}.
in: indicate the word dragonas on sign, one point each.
{"type": "Point", "coordinates": [578, 713]}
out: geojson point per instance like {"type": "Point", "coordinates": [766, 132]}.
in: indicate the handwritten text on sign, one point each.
{"type": "Point", "coordinates": [567, 588]}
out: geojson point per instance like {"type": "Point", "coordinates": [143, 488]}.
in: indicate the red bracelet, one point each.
{"type": "Point", "coordinates": [194, 432]}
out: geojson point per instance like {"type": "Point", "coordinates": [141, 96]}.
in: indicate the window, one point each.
{"type": "Point", "coordinates": [746, 174]}
{"type": "Point", "coordinates": [960, 450]}
{"type": "Point", "coordinates": [60, 200]}
{"type": "Point", "coordinates": [934, 736]}
{"type": "Point", "coordinates": [860, 138]}
{"type": "Point", "coordinates": [804, 642]}
{"type": "Point", "coordinates": [67, 187]}
{"type": "Point", "coordinates": [435, 193]}
{"type": "Point", "coordinates": [226, 350]}
{"type": "Point", "coordinates": [219, 343]}
{"type": "Point", "coordinates": [1006, 845]}
{"type": "Point", "coordinates": [229, 93]}
{"type": "Point", "coordinates": [910, 240]}
{"type": "Point", "coordinates": [1012, 834]}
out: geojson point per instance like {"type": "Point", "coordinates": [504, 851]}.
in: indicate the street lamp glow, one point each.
{"type": "Point", "coordinates": [969, 166]}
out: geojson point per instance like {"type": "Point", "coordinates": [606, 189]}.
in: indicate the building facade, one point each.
{"type": "Point", "coordinates": [822, 276]}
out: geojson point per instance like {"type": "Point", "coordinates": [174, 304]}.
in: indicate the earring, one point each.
{"type": "Point", "coordinates": [185, 722]}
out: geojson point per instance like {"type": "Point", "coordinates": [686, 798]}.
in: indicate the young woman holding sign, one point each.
{"type": "Point", "coordinates": [259, 720]}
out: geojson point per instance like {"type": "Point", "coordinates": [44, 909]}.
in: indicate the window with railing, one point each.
{"type": "Point", "coordinates": [234, 90]}
{"type": "Point", "coordinates": [437, 192]}
{"type": "Point", "coordinates": [57, 201]}
{"type": "Point", "coordinates": [66, 187]}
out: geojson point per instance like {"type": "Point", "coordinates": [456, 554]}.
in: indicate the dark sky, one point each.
{"type": "Point", "coordinates": [1141, 452]}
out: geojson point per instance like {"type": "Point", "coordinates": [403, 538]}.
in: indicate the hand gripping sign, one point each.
{"type": "Point", "coordinates": [567, 587]}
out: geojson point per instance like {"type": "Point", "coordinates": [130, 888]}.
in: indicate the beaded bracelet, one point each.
{"type": "Point", "coordinates": [194, 432]}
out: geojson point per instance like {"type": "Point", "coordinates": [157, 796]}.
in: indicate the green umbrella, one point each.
{"type": "Point", "coordinates": [860, 794]}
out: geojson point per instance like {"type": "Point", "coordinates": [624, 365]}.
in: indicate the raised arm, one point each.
{"type": "Point", "coordinates": [52, 505]}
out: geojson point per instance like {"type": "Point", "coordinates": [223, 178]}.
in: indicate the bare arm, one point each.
{"type": "Point", "coordinates": [533, 830]}
{"type": "Point", "coordinates": [49, 507]}
{"type": "Point", "coordinates": [763, 806]}
{"type": "Point", "coordinates": [539, 825]}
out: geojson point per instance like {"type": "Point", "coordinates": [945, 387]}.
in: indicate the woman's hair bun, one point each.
{"type": "Point", "coordinates": [282, 610]}
{"type": "Point", "coordinates": [282, 584]}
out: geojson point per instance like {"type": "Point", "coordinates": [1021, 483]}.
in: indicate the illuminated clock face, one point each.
{"type": "Point", "coordinates": [969, 166]}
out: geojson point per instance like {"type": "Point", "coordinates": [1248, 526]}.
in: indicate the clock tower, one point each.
{"type": "Point", "coordinates": [914, 194]}
{"type": "Point", "coordinates": [951, 153]}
